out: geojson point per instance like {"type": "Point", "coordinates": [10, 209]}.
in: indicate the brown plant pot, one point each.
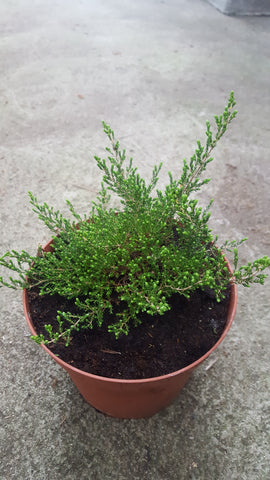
{"type": "Point", "coordinates": [131, 398]}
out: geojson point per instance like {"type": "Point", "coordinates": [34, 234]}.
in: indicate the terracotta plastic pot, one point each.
{"type": "Point", "coordinates": [131, 398]}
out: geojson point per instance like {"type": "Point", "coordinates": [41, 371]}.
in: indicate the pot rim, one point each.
{"type": "Point", "coordinates": [230, 316]}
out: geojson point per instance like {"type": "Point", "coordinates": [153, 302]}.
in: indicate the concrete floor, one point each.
{"type": "Point", "coordinates": [156, 71]}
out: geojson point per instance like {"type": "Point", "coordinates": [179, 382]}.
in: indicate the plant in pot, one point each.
{"type": "Point", "coordinates": [130, 302]}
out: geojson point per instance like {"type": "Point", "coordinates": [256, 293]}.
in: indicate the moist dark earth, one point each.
{"type": "Point", "coordinates": [160, 345]}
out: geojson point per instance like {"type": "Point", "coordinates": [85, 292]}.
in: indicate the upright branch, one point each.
{"type": "Point", "coordinates": [190, 178]}
{"type": "Point", "coordinates": [125, 181]}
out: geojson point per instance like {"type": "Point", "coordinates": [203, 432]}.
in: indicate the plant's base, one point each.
{"type": "Point", "coordinates": [160, 345]}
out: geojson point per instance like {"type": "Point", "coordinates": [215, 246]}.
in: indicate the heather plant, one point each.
{"type": "Point", "coordinates": [126, 263]}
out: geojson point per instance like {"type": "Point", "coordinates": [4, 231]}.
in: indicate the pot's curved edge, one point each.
{"type": "Point", "coordinates": [68, 367]}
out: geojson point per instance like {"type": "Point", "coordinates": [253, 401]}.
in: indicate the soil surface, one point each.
{"type": "Point", "coordinates": [160, 345]}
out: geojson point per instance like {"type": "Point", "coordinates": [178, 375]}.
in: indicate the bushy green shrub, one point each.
{"type": "Point", "coordinates": [157, 244]}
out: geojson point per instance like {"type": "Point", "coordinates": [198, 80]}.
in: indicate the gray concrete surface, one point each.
{"type": "Point", "coordinates": [242, 7]}
{"type": "Point", "coordinates": [156, 71]}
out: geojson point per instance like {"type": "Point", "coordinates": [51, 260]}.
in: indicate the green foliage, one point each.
{"type": "Point", "coordinates": [123, 264]}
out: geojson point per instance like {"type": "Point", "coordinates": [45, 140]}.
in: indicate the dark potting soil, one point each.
{"type": "Point", "coordinates": [160, 345]}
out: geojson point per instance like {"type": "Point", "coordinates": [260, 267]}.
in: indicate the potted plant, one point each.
{"type": "Point", "coordinates": [121, 300]}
